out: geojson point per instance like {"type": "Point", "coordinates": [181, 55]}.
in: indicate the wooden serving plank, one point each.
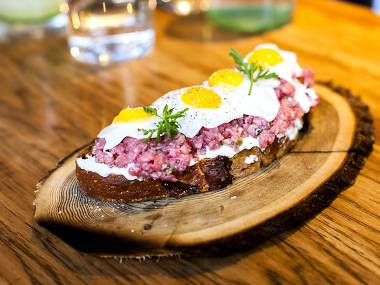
{"type": "Point", "coordinates": [324, 162]}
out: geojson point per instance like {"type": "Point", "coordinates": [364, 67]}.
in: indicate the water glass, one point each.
{"type": "Point", "coordinates": [109, 31]}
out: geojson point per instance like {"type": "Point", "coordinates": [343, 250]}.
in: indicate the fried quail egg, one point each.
{"type": "Point", "coordinates": [270, 57]}
{"type": "Point", "coordinates": [206, 108]}
{"type": "Point", "coordinates": [130, 122]}
{"type": "Point", "coordinates": [234, 88]}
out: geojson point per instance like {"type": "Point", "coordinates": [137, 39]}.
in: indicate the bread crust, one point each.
{"type": "Point", "coordinates": [206, 175]}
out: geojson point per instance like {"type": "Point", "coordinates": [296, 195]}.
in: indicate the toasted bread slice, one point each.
{"type": "Point", "coordinates": [206, 175]}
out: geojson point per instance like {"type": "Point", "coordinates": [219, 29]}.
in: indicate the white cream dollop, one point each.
{"type": "Point", "coordinates": [293, 130]}
{"type": "Point", "coordinates": [251, 159]}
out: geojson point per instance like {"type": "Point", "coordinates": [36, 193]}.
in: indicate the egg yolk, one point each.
{"type": "Point", "coordinates": [265, 57]}
{"type": "Point", "coordinates": [200, 97]}
{"type": "Point", "coordinates": [132, 114]}
{"type": "Point", "coordinates": [226, 77]}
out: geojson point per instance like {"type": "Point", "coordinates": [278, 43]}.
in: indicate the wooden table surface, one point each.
{"type": "Point", "coordinates": [50, 105]}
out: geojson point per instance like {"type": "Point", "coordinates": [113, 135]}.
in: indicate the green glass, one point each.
{"type": "Point", "coordinates": [29, 11]}
{"type": "Point", "coordinates": [250, 16]}
{"type": "Point", "coordinates": [19, 18]}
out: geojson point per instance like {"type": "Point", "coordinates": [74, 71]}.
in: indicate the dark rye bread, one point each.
{"type": "Point", "coordinates": [206, 175]}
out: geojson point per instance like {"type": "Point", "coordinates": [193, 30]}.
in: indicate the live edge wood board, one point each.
{"type": "Point", "coordinates": [51, 105]}
{"type": "Point", "coordinates": [210, 222]}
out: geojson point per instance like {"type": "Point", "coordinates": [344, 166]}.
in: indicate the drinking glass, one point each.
{"type": "Point", "coordinates": [250, 16]}
{"type": "Point", "coordinates": [31, 17]}
{"type": "Point", "coordinates": [109, 31]}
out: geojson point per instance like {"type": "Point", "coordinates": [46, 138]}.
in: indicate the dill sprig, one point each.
{"type": "Point", "coordinates": [168, 124]}
{"type": "Point", "coordinates": [254, 70]}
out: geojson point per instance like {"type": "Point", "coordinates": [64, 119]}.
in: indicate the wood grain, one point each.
{"type": "Point", "coordinates": [50, 105]}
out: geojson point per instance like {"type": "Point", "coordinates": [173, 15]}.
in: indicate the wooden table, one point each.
{"type": "Point", "coordinates": [50, 105]}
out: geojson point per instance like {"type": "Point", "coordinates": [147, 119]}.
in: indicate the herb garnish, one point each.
{"type": "Point", "coordinates": [168, 124]}
{"type": "Point", "coordinates": [254, 70]}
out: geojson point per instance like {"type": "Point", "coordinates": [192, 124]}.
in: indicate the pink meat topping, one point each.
{"type": "Point", "coordinates": [162, 160]}
{"type": "Point", "coordinates": [307, 77]}
{"type": "Point", "coordinates": [150, 159]}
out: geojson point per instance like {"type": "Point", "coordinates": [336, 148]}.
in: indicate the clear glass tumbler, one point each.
{"type": "Point", "coordinates": [110, 31]}
{"type": "Point", "coordinates": [250, 16]}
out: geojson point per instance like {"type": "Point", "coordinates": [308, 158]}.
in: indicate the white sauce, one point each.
{"type": "Point", "coordinates": [292, 131]}
{"type": "Point", "coordinates": [298, 124]}
{"type": "Point", "coordinates": [89, 164]}
{"type": "Point", "coordinates": [306, 97]}
{"type": "Point", "coordinates": [225, 150]}
{"type": "Point", "coordinates": [248, 143]}
{"type": "Point", "coordinates": [251, 159]}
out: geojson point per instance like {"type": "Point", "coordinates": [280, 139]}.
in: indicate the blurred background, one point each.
{"type": "Point", "coordinates": [363, 2]}
{"type": "Point", "coordinates": [103, 32]}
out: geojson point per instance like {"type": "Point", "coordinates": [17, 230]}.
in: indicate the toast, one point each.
{"type": "Point", "coordinates": [206, 175]}
{"type": "Point", "coordinates": [200, 138]}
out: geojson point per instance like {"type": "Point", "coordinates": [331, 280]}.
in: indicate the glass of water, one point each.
{"type": "Point", "coordinates": [109, 31]}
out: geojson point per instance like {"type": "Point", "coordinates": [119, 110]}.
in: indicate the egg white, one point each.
{"type": "Point", "coordinates": [262, 102]}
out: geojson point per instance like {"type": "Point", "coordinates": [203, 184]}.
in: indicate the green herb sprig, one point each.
{"type": "Point", "coordinates": [168, 124]}
{"type": "Point", "coordinates": [254, 70]}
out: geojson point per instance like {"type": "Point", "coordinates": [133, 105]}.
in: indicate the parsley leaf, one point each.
{"type": "Point", "coordinates": [254, 70]}
{"type": "Point", "coordinates": [150, 110]}
{"type": "Point", "coordinates": [168, 124]}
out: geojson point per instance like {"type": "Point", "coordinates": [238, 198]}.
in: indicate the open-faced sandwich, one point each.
{"type": "Point", "coordinates": [200, 138]}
